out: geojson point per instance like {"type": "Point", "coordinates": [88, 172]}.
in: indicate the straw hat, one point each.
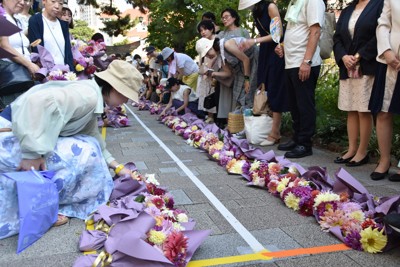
{"type": "Point", "coordinates": [243, 4]}
{"type": "Point", "coordinates": [123, 77]}
{"type": "Point", "coordinates": [203, 46]}
{"type": "Point", "coordinates": [166, 52]}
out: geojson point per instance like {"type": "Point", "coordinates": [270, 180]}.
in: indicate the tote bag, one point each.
{"type": "Point", "coordinates": [14, 78]}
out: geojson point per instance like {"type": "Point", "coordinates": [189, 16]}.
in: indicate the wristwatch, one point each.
{"type": "Point", "coordinates": [308, 62]}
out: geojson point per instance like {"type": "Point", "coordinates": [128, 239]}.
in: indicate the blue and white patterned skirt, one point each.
{"type": "Point", "coordinates": [82, 177]}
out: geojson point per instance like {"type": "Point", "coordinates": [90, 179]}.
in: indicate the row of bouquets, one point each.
{"type": "Point", "coordinates": [139, 227]}
{"type": "Point", "coordinates": [341, 206]}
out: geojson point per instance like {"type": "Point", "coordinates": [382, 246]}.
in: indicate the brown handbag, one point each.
{"type": "Point", "coordinates": [260, 104]}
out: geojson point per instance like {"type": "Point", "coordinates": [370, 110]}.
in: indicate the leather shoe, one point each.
{"type": "Point", "coordinates": [393, 220]}
{"type": "Point", "coordinates": [341, 160]}
{"type": "Point", "coordinates": [353, 163]}
{"type": "Point", "coordinates": [376, 176]}
{"type": "Point", "coordinates": [394, 177]}
{"type": "Point", "coordinates": [299, 152]}
{"type": "Point", "coordinates": [287, 146]}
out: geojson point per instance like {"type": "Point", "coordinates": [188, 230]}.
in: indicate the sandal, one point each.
{"type": "Point", "coordinates": [61, 219]}
{"type": "Point", "coordinates": [267, 142]}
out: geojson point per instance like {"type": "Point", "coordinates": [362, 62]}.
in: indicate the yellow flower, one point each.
{"type": "Point", "coordinates": [79, 68]}
{"type": "Point", "coordinates": [255, 165]}
{"type": "Point", "coordinates": [159, 220]}
{"type": "Point", "coordinates": [216, 155]}
{"type": "Point", "coordinates": [373, 240]}
{"type": "Point", "coordinates": [157, 237]}
{"type": "Point", "coordinates": [325, 197]}
{"type": "Point", "coordinates": [282, 184]}
{"type": "Point", "coordinates": [292, 201]}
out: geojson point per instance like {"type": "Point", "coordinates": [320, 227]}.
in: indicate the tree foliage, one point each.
{"type": "Point", "coordinates": [81, 30]}
{"type": "Point", "coordinates": [173, 22]}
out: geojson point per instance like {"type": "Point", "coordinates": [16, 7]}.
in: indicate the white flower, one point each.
{"type": "Point", "coordinates": [293, 169]}
{"type": "Point", "coordinates": [178, 227]}
{"type": "Point", "coordinates": [70, 76]}
{"type": "Point", "coordinates": [150, 178]}
{"type": "Point", "coordinates": [229, 153]}
{"type": "Point", "coordinates": [255, 165]}
{"type": "Point", "coordinates": [182, 217]}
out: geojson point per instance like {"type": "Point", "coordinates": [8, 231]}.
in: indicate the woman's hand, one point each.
{"type": "Point", "coordinates": [33, 68]}
{"type": "Point", "coordinates": [243, 46]}
{"type": "Point", "coordinates": [124, 171]}
{"type": "Point", "coordinates": [349, 61]}
{"type": "Point", "coordinates": [279, 50]}
{"type": "Point", "coordinates": [27, 164]}
{"type": "Point", "coordinates": [247, 86]}
{"type": "Point", "coordinates": [392, 60]}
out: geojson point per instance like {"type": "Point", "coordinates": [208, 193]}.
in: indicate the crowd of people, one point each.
{"type": "Point", "coordinates": [231, 66]}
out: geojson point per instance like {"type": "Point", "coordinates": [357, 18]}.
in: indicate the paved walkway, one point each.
{"type": "Point", "coordinates": [264, 219]}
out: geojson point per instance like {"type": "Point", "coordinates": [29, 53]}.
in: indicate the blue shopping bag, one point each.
{"type": "Point", "coordinates": [38, 205]}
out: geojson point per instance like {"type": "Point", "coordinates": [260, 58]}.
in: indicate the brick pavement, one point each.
{"type": "Point", "coordinates": [270, 222]}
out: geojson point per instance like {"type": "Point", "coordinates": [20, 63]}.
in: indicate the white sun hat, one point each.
{"type": "Point", "coordinates": [166, 52]}
{"type": "Point", "coordinates": [243, 4]}
{"type": "Point", "coordinates": [203, 46]}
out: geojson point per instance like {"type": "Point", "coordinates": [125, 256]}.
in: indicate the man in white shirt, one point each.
{"type": "Point", "coordinates": [302, 65]}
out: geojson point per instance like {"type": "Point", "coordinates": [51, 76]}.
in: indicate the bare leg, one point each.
{"type": "Point", "coordinates": [276, 127]}
{"type": "Point", "coordinates": [352, 133]}
{"type": "Point", "coordinates": [365, 120]}
{"type": "Point", "coordinates": [384, 131]}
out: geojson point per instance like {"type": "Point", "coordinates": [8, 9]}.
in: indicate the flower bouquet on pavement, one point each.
{"type": "Point", "coordinates": [141, 230]}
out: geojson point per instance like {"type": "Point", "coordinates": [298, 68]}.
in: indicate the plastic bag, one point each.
{"type": "Point", "coordinates": [37, 203]}
{"type": "Point", "coordinates": [257, 128]}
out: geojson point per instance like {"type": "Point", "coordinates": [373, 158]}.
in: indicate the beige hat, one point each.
{"type": "Point", "coordinates": [123, 77]}
{"type": "Point", "coordinates": [203, 46]}
{"type": "Point", "coordinates": [243, 4]}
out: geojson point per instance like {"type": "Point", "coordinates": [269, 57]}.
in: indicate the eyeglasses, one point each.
{"type": "Point", "coordinates": [226, 17]}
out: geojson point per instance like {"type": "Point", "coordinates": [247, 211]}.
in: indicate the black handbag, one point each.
{"type": "Point", "coordinates": [14, 78]}
{"type": "Point", "coordinates": [209, 101]}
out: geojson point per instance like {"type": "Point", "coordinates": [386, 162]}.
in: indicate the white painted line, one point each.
{"type": "Point", "coordinates": [240, 229]}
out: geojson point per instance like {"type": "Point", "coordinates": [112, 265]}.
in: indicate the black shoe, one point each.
{"type": "Point", "coordinates": [287, 146]}
{"type": "Point", "coordinates": [299, 152]}
{"type": "Point", "coordinates": [353, 163]}
{"type": "Point", "coordinates": [376, 176]}
{"type": "Point", "coordinates": [393, 220]}
{"type": "Point", "coordinates": [341, 160]}
{"type": "Point", "coordinates": [395, 177]}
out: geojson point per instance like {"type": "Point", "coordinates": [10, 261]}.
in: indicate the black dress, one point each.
{"type": "Point", "coordinates": [378, 92]}
{"type": "Point", "coordinates": [270, 66]}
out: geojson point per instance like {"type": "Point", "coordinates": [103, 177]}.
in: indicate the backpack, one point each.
{"type": "Point", "coordinates": [326, 38]}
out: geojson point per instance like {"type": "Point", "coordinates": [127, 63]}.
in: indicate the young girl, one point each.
{"type": "Point", "coordinates": [182, 97]}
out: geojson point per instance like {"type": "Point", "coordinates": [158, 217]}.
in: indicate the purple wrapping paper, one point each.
{"type": "Point", "coordinates": [46, 59]}
{"type": "Point", "coordinates": [124, 186]}
{"type": "Point", "coordinates": [92, 240]}
{"type": "Point", "coordinates": [252, 152]}
{"type": "Point", "coordinates": [320, 177]}
{"type": "Point", "coordinates": [114, 215]}
{"type": "Point", "coordinates": [127, 202]}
